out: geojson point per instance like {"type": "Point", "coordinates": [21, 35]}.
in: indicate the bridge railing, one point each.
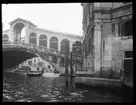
{"type": "Point", "coordinates": [34, 47]}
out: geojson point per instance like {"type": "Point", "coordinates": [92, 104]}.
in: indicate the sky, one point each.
{"type": "Point", "coordinates": [59, 17]}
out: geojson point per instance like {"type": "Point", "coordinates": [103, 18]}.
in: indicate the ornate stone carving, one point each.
{"type": "Point", "coordinates": [102, 16]}
{"type": "Point", "coordinates": [120, 12]}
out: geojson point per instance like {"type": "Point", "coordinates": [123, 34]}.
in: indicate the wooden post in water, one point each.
{"type": "Point", "coordinates": [76, 62]}
{"type": "Point", "coordinates": [66, 63]}
{"type": "Point", "coordinates": [71, 68]}
{"type": "Point", "coordinates": [71, 65]}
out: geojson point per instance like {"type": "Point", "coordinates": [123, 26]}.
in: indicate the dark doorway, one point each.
{"type": "Point", "coordinates": [128, 68]}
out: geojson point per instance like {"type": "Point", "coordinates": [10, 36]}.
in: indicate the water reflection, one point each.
{"type": "Point", "coordinates": [21, 88]}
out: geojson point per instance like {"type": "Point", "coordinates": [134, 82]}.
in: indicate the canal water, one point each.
{"type": "Point", "coordinates": [21, 88]}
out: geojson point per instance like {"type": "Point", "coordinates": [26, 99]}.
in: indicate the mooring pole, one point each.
{"type": "Point", "coordinates": [66, 63]}
{"type": "Point", "coordinates": [76, 63]}
{"type": "Point", "coordinates": [71, 65]}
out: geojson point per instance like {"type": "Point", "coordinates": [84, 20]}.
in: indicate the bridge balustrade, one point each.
{"type": "Point", "coordinates": [33, 47]}
{"type": "Point", "coordinates": [27, 45]}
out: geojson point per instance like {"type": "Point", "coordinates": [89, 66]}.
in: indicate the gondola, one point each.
{"type": "Point", "coordinates": [35, 73]}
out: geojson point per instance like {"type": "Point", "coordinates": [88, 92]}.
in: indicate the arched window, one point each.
{"type": "Point", "coordinates": [33, 38]}
{"type": "Point", "coordinates": [5, 38]}
{"type": "Point", "coordinates": [43, 40]}
{"type": "Point", "coordinates": [64, 42]}
{"type": "Point", "coordinates": [54, 42]}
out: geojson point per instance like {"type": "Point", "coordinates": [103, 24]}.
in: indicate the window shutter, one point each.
{"type": "Point", "coordinates": [119, 29]}
{"type": "Point", "coordinates": [122, 29]}
{"type": "Point", "coordinates": [120, 26]}
{"type": "Point", "coordinates": [113, 28]}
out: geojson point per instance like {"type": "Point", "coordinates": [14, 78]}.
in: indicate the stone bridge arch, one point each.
{"type": "Point", "coordinates": [26, 51]}
{"type": "Point", "coordinates": [16, 26]}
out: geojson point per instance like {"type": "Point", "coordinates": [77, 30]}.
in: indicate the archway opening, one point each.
{"type": "Point", "coordinates": [54, 42]}
{"type": "Point", "coordinates": [33, 38]}
{"type": "Point", "coordinates": [5, 38]}
{"type": "Point", "coordinates": [17, 31]}
{"type": "Point", "coordinates": [43, 40]}
{"type": "Point", "coordinates": [23, 35]}
{"type": "Point", "coordinates": [64, 42]}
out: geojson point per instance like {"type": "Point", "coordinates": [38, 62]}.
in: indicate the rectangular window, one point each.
{"type": "Point", "coordinates": [125, 28]}
{"type": "Point", "coordinates": [128, 28]}
{"type": "Point", "coordinates": [128, 54]}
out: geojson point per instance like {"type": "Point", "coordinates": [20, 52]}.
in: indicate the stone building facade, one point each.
{"type": "Point", "coordinates": [107, 38]}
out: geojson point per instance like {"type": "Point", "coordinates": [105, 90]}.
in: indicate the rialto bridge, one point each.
{"type": "Point", "coordinates": [37, 42]}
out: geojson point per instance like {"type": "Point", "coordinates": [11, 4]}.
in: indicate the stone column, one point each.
{"type": "Point", "coordinates": [97, 48]}
{"type": "Point", "coordinates": [19, 37]}
{"type": "Point", "coordinates": [38, 39]}
{"type": "Point", "coordinates": [116, 29]}
{"type": "Point", "coordinates": [70, 46]}
{"type": "Point", "coordinates": [59, 42]}
{"type": "Point", "coordinates": [12, 33]}
{"type": "Point", "coordinates": [26, 34]}
{"type": "Point", "coordinates": [58, 61]}
{"type": "Point", "coordinates": [48, 42]}
{"type": "Point", "coordinates": [32, 61]}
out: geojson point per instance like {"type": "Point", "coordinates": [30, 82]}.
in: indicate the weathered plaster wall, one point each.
{"type": "Point", "coordinates": [117, 57]}
{"type": "Point", "coordinates": [106, 50]}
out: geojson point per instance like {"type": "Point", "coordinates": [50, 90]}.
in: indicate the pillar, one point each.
{"type": "Point", "coordinates": [70, 46]}
{"type": "Point", "coordinates": [48, 42]}
{"type": "Point", "coordinates": [19, 37]}
{"type": "Point", "coordinates": [116, 29]}
{"type": "Point", "coordinates": [58, 61]}
{"type": "Point", "coordinates": [59, 44]}
{"type": "Point", "coordinates": [38, 39]}
{"type": "Point", "coordinates": [12, 34]}
{"type": "Point", "coordinates": [97, 48]}
{"type": "Point", "coordinates": [26, 34]}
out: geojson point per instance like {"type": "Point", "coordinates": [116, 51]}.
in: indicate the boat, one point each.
{"type": "Point", "coordinates": [50, 74]}
{"type": "Point", "coordinates": [35, 73]}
